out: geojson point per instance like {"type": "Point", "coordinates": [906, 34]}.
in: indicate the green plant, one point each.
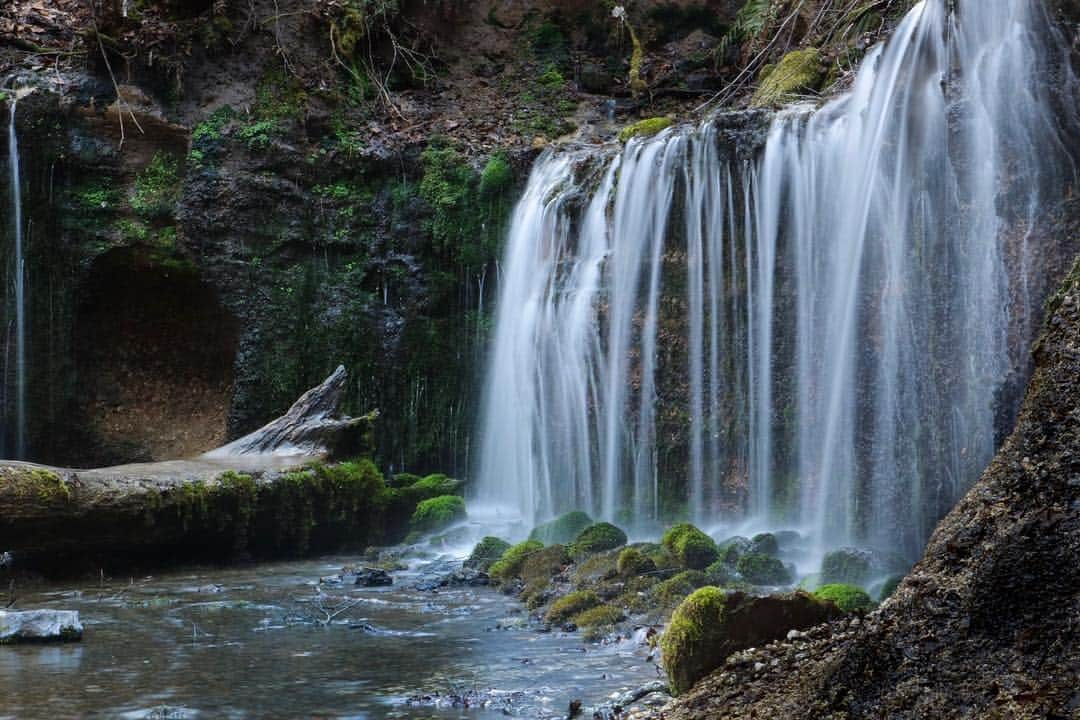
{"type": "Point", "coordinates": [598, 621]}
{"type": "Point", "coordinates": [437, 513]}
{"type": "Point", "coordinates": [693, 638]}
{"type": "Point", "coordinates": [847, 565]}
{"type": "Point", "coordinates": [645, 128]}
{"type": "Point", "coordinates": [632, 561]}
{"type": "Point", "coordinates": [691, 548]}
{"type": "Point", "coordinates": [669, 592]}
{"type": "Point", "coordinates": [799, 70]}
{"type": "Point", "coordinates": [486, 553]}
{"type": "Point", "coordinates": [497, 175]}
{"type": "Point", "coordinates": [758, 569]}
{"type": "Point", "coordinates": [846, 597]}
{"type": "Point", "coordinates": [156, 188]}
{"type": "Point", "coordinates": [597, 538]}
{"type": "Point", "coordinates": [510, 563]}
{"type": "Point", "coordinates": [257, 134]}
{"type": "Point", "coordinates": [571, 604]}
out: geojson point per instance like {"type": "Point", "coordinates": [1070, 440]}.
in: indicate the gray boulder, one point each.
{"type": "Point", "coordinates": [40, 626]}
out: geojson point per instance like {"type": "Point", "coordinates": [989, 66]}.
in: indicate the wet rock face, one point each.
{"type": "Point", "coordinates": [31, 626]}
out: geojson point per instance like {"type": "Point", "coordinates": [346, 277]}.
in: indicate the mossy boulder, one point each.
{"type": "Point", "coordinates": [645, 128]}
{"type": "Point", "coordinates": [846, 597]}
{"type": "Point", "coordinates": [670, 592]}
{"type": "Point", "coordinates": [562, 529]}
{"type": "Point", "coordinates": [765, 543]}
{"type": "Point", "coordinates": [597, 538]}
{"type": "Point", "coordinates": [539, 567]}
{"type": "Point", "coordinates": [570, 605]}
{"type": "Point", "coordinates": [711, 624]}
{"type": "Point", "coordinates": [437, 513]}
{"type": "Point", "coordinates": [760, 569]}
{"type": "Point", "coordinates": [692, 548]}
{"type": "Point", "coordinates": [798, 71]}
{"type": "Point", "coordinates": [439, 484]}
{"type": "Point", "coordinates": [632, 561]}
{"type": "Point", "coordinates": [403, 480]}
{"type": "Point", "coordinates": [847, 566]}
{"type": "Point", "coordinates": [598, 621]}
{"type": "Point", "coordinates": [734, 548]}
{"type": "Point", "coordinates": [719, 573]}
{"type": "Point", "coordinates": [486, 553]}
{"type": "Point", "coordinates": [509, 565]}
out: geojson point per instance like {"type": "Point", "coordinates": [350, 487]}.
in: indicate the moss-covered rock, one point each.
{"type": "Point", "coordinates": [539, 567]}
{"type": "Point", "coordinates": [670, 592]}
{"type": "Point", "coordinates": [710, 625]}
{"type": "Point", "coordinates": [799, 70]}
{"type": "Point", "coordinates": [645, 128]}
{"type": "Point", "coordinates": [846, 597]}
{"type": "Point", "coordinates": [632, 561]}
{"type": "Point", "coordinates": [562, 529]}
{"type": "Point", "coordinates": [734, 548]}
{"type": "Point", "coordinates": [438, 513]}
{"type": "Point", "coordinates": [509, 565]}
{"type": "Point", "coordinates": [691, 548]}
{"type": "Point", "coordinates": [570, 605]}
{"type": "Point", "coordinates": [720, 574]}
{"type": "Point", "coordinates": [765, 543]}
{"type": "Point", "coordinates": [598, 621]}
{"type": "Point", "coordinates": [486, 553]}
{"type": "Point", "coordinates": [759, 569]}
{"type": "Point", "coordinates": [848, 566]}
{"type": "Point", "coordinates": [439, 484]}
{"type": "Point", "coordinates": [597, 538]}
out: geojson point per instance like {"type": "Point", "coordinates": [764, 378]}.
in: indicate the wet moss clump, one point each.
{"type": "Point", "coordinates": [760, 569]}
{"type": "Point", "coordinates": [486, 553]}
{"type": "Point", "coordinates": [632, 561]}
{"type": "Point", "coordinates": [694, 638]}
{"type": "Point", "coordinates": [846, 597]}
{"type": "Point", "coordinates": [691, 548]}
{"type": "Point", "coordinates": [598, 621]}
{"type": "Point", "coordinates": [569, 605]}
{"type": "Point", "coordinates": [597, 538]}
{"type": "Point", "coordinates": [36, 485]}
{"type": "Point", "coordinates": [670, 592]}
{"type": "Point", "coordinates": [798, 71]}
{"type": "Point", "coordinates": [562, 529]}
{"type": "Point", "coordinates": [438, 513]}
{"type": "Point", "coordinates": [509, 565]}
{"type": "Point", "coordinates": [645, 128]}
{"type": "Point", "coordinates": [847, 566]}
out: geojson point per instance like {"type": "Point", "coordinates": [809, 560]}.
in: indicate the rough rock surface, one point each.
{"type": "Point", "coordinates": [985, 625]}
{"type": "Point", "coordinates": [28, 626]}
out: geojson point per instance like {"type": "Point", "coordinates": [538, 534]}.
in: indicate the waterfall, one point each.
{"type": "Point", "coordinates": [808, 333]}
{"type": "Point", "coordinates": [19, 273]}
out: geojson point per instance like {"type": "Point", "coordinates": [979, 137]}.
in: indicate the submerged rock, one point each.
{"type": "Point", "coordinates": [373, 577]}
{"type": "Point", "coordinates": [28, 626]}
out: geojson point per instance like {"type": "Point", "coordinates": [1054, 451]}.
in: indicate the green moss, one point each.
{"type": "Point", "coordinates": [562, 529]}
{"type": "Point", "coordinates": [669, 592]}
{"type": "Point", "coordinates": [719, 574]}
{"type": "Point", "coordinates": [509, 565]}
{"type": "Point", "coordinates": [847, 566]}
{"type": "Point", "coordinates": [846, 597]}
{"type": "Point", "coordinates": [36, 484]}
{"type": "Point", "coordinates": [497, 176]}
{"type": "Point", "coordinates": [597, 538]}
{"type": "Point", "coordinates": [765, 543]}
{"type": "Point", "coordinates": [437, 513]}
{"type": "Point", "coordinates": [596, 622]}
{"type": "Point", "coordinates": [403, 480]}
{"type": "Point", "coordinates": [440, 484]}
{"type": "Point", "coordinates": [760, 569]}
{"type": "Point", "coordinates": [539, 567]}
{"type": "Point", "coordinates": [569, 605]}
{"type": "Point", "coordinates": [690, 644]}
{"type": "Point", "coordinates": [799, 70]}
{"type": "Point", "coordinates": [257, 134]}
{"type": "Point", "coordinates": [632, 561]}
{"type": "Point", "coordinates": [645, 128]}
{"type": "Point", "coordinates": [486, 552]}
{"type": "Point", "coordinates": [157, 188]}
{"type": "Point", "coordinates": [690, 547]}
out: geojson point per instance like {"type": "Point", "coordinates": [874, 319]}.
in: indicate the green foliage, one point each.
{"type": "Point", "coordinates": [509, 565]}
{"type": "Point", "coordinates": [552, 78]}
{"type": "Point", "coordinates": [437, 513]}
{"type": "Point", "coordinates": [596, 622]}
{"type": "Point", "coordinates": [279, 97]}
{"type": "Point", "coordinates": [486, 553]}
{"type": "Point", "coordinates": [497, 176]}
{"type": "Point", "coordinates": [598, 537]}
{"type": "Point", "coordinates": [765, 543]}
{"type": "Point", "coordinates": [632, 561]}
{"type": "Point", "coordinates": [751, 19]}
{"type": "Point", "coordinates": [548, 42]}
{"type": "Point", "coordinates": [440, 484]}
{"type": "Point", "coordinates": [403, 480]}
{"type": "Point", "coordinates": [848, 598]}
{"type": "Point", "coordinates": [669, 592]}
{"type": "Point", "coordinates": [95, 197]}
{"type": "Point", "coordinates": [691, 645]}
{"type": "Point", "coordinates": [157, 188]}
{"type": "Point", "coordinates": [131, 231]}
{"type": "Point", "coordinates": [210, 129]}
{"type": "Point", "coordinates": [690, 547]}
{"type": "Point", "coordinates": [760, 569]}
{"type": "Point", "coordinates": [257, 134]}
{"type": "Point", "coordinates": [562, 529]}
{"type": "Point", "coordinates": [847, 566]}
{"type": "Point", "coordinates": [719, 573]}
{"type": "Point", "coordinates": [571, 604]}
{"type": "Point", "coordinates": [645, 128]}
{"type": "Point", "coordinates": [798, 71]}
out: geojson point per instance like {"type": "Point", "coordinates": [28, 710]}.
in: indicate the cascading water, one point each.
{"type": "Point", "coordinates": [811, 333]}
{"type": "Point", "coordinates": [18, 272]}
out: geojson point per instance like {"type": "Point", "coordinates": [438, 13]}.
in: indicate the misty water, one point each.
{"type": "Point", "coordinates": [241, 643]}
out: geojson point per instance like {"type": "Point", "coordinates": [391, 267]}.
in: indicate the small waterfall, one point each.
{"type": "Point", "coordinates": [19, 273]}
{"type": "Point", "coordinates": [810, 333]}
